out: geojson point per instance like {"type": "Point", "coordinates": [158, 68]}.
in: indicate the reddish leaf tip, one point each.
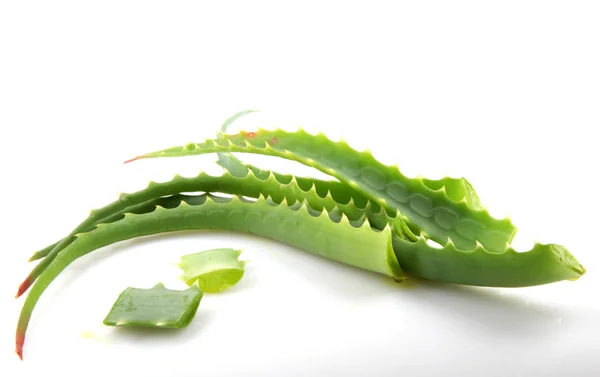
{"type": "Point", "coordinates": [19, 344]}
{"type": "Point", "coordinates": [132, 159]}
{"type": "Point", "coordinates": [24, 286]}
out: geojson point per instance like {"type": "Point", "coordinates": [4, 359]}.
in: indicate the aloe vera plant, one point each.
{"type": "Point", "coordinates": [374, 218]}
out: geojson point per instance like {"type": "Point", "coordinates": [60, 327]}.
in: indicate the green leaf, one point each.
{"type": "Point", "coordinates": [155, 307]}
{"type": "Point", "coordinates": [215, 270]}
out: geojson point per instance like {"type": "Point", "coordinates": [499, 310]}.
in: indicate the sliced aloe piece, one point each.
{"type": "Point", "coordinates": [155, 307]}
{"type": "Point", "coordinates": [215, 270]}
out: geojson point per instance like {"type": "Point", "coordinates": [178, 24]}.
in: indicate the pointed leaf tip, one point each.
{"type": "Point", "coordinates": [133, 159]}
{"type": "Point", "coordinates": [20, 340]}
{"type": "Point", "coordinates": [24, 286]}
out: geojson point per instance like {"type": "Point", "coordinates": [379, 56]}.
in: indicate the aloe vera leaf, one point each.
{"type": "Point", "coordinates": [457, 189]}
{"type": "Point", "coordinates": [433, 211]}
{"type": "Point", "coordinates": [277, 187]}
{"type": "Point", "coordinates": [543, 264]}
{"type": "Point", "coordinates": [155, 307]}
{"type": "Point", "coordinates": [213, 270]}
{"type": "Point", "coordinates": [354, 243]}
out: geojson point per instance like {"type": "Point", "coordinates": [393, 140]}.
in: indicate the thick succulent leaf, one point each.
{"type": "Point", "coordinates": [155, 307]}
{"type": "Point", "coordinates": [543, 264]}
{"type": "Point", "coordinates": [433, 211]}
{"type": "Point", "coordinates": [457, 189]}
{"type": "Point", "coordinates": [319, 195]}
{"type": "Point", "coordinates": [213, 270]}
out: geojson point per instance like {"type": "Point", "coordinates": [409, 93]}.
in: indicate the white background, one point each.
{"type": "Point", "coordinates": [504, 93]}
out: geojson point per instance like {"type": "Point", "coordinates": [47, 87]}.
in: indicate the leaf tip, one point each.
{"type": "Point", "coordinates": [20, 340]}
{"type": "Point", "coordinates": [24, 286]}
{"type": "Point", "coordinates": [132, 159]}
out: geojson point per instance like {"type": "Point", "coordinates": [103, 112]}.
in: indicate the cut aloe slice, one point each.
{"type": "Point", "coordinates": [155, 307]}
{"type": "Point", "coordinates": [214, 270]}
